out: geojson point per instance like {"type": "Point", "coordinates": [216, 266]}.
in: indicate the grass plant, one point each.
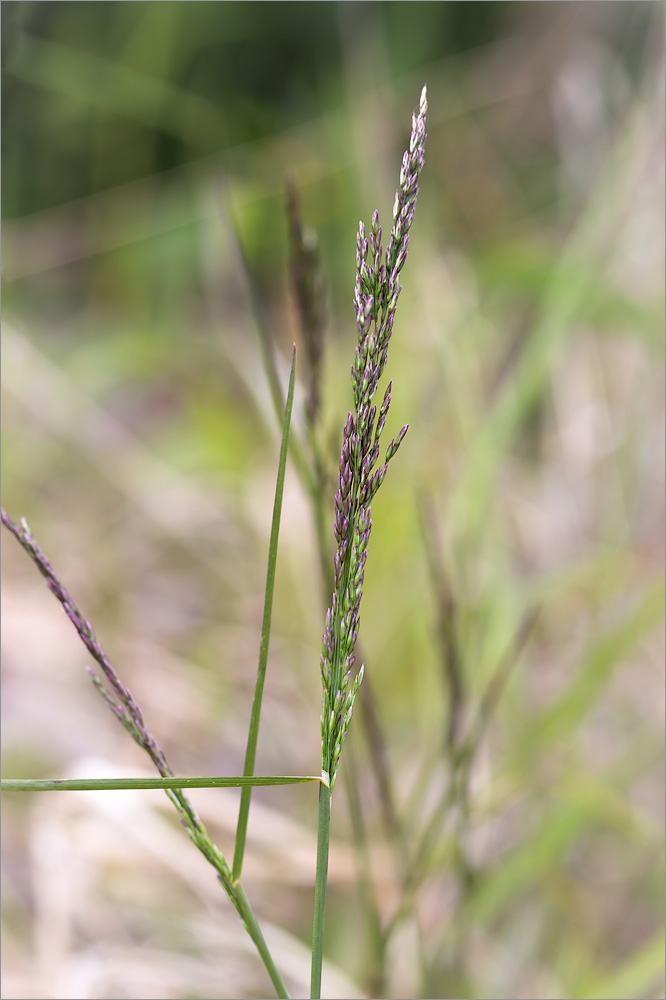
{"type": "Point", "coordinates": [498, 826]}
{"type": "Point", "coordinates": [376, 296]}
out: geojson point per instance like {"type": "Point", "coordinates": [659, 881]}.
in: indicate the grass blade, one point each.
{"type": "Point", "coordinates": [108, 784]}
{"type": "Point", "coordinates": [253, 735]}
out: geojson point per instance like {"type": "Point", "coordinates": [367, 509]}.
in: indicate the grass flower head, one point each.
{"type": "Point", "coordinates": [360, 476]}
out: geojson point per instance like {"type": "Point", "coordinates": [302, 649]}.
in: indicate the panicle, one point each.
{"type": "Point", "coordinates": [376, 294]}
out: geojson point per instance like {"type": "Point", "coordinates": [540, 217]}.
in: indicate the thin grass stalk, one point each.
{"type": "Point", "coordinates": [252, 927]}
{"type": "Point", "coordinates": [321, 881]}
{"type": "Point", "coordinates": [253, 733]}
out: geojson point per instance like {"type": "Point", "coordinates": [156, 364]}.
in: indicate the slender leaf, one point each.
{"type": "Point", "coordinates": [108, 784]}
{"type": "Point", "coordinates": [253, 734]}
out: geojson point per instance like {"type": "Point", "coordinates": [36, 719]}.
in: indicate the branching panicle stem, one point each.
{"type": "Point", "coordinates": [123, 706]}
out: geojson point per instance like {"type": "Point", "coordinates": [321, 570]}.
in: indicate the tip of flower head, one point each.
{"type": "Point", "coordinates": [424, 95]}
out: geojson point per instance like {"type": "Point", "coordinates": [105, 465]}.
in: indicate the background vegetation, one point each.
{"type": "Point", "coordinates": [145, 148]}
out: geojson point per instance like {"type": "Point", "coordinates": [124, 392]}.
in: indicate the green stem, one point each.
{"type": "Point", "coordinates": [253, 929]}
{"type": "Point", "coordinates": [323, 836]}
{"type": "Point", "coordinates": [253, 734]}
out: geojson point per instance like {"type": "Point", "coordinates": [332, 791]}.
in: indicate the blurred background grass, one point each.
{"type": "Point", "coordinates": [139, 440]}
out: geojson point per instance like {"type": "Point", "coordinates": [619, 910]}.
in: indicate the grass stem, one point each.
{"type": "Point", "coordinates": [253, 929]}
{"type": "Point", "coordinates": [323, 837]}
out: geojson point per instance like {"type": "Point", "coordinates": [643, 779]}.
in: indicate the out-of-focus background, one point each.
{"type": "Point", "coordinates": [514, 584]}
